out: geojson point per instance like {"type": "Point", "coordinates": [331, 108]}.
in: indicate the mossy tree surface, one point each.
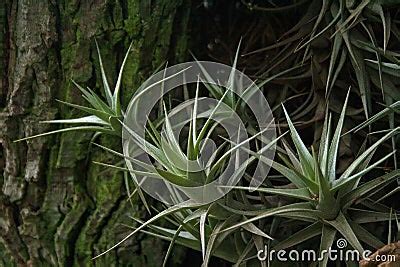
{"type": "Point", "coordinates": [56, 207]}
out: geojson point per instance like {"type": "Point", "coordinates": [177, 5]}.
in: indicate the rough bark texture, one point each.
{"type": "Point", "coordinates": [390, 253]}
{"type": "Point", "coordinates": [56, 208]}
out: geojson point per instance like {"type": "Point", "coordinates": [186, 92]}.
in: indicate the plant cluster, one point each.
{"type": "Point", "coordinates": [311, 197]}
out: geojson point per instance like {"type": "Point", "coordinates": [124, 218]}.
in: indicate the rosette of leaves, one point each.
{"type": "Point", "coordinates": [103, 116]}
{"type": "Point", "coordinates": [193, 225]}
{"type": "Point", "coordinates": [197, 225]}
{"type": "Point", "coordinates": [233, 228]}
{"type": "Point", "coordinates": [333, 205]}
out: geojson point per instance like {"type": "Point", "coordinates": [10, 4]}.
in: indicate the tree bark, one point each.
{"type": "Point", "coordinates": [56, 207]}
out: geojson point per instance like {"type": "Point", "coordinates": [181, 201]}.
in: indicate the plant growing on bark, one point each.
{"type": "Point", "coordinates": [227, 228]}
{"type": "Point", "coordinates": [103, 116]}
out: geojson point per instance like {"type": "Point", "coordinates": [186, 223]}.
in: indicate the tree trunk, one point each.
{"type": "Point", "coordinates": [56, 207]}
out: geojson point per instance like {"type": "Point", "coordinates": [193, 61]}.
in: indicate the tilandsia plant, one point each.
{"type": "Point", "coordinates": [237, 99]}
{"type": "Point", "coordinates": [181, 167]}
{"type": "Point", "coordinates": [233, 228]}
{"type": "Point", "coordinates": [332, 204]}
{"type": "Point", "coordinates": [196, 225]}
{"type": "Point", "coordinates": [102, 116]}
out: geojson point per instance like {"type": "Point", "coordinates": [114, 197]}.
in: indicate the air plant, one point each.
{"type": "Point", "coordinates": [197, 225]}
{"type": "Point", "coordinates": [332, 204]}
{"type": "Point", "coordinates": [234, 227]}
{"type": "Point", "coordinates": [102, 116]}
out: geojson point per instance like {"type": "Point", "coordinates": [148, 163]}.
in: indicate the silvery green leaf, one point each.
{"type": "Point", "coordinates": [300, 236]}
{"type": "Point", "coordinates": [92, 119]}
{"type": "Point", "coordinates": [334, 147]}
{"type": "Point", "coordinates": [116, 104]}
{"type": "Point", "coordinates": [71, 129]}
{"type": "Point", "coordinates": [107, 90]}
{"type": "Point", "coordinates": [327, 238]}
{"type": "Point", "coordinates": [343, 227]}
{"type": "Point", "coordinates": [305, 156]}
